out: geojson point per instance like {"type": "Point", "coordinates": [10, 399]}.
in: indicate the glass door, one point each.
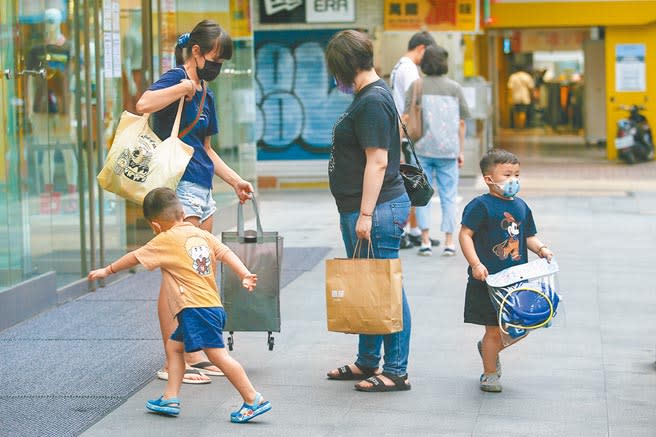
{"type": "Point", "coordinates": [14, 232]}
{"type": "Point", "coordinates": [59, 98]}
{"type": "Point", "coordinates": [136, 37]}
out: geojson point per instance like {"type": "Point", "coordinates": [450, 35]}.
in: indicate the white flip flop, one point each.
{"type": "Point", "coordinates": [164, 375]}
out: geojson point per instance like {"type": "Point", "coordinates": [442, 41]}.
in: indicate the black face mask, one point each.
{"type": "Point", "coordinates": [210, 71]}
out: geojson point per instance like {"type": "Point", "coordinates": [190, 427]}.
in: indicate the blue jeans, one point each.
{"type": "Point", "coordinates": [388, 221]}
{"type": "Point", "coordinates": [446, 172]}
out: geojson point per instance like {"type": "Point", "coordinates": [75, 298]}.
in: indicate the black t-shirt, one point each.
{"type": "Point", "coordinates": [370, 121]}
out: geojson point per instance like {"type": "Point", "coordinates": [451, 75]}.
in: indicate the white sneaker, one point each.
{"type": "Point", "coordinates": [425, 251]}
{"type": "Point", "coordinates": [490, 383]}
{"type": "Point", "coordinates": [449, 251]}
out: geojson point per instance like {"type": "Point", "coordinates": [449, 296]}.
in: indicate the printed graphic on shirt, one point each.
{"type": "Point", "coordinates": [199, 252]}
{"type": "Point", "coordinates": [510, 246]}
{"type": "Point", "coordinates": [331, 162]}
{"type": "Point", "coordinates": [441, 118]}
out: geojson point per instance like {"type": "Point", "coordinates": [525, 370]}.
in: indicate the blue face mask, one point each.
{"type": "Point", "coordinates": [510, 188]}
{"type": "Point", "coordinates": [350, 89]}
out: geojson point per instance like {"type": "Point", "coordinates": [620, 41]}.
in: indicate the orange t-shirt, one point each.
{"type": "Point", "coordinates": [187, 257]}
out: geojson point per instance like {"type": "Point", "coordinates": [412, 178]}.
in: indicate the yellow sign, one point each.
{"type": "Point", "coordinates": [240, 23]}
{"type": "Point", "coordinates": [437, 15]}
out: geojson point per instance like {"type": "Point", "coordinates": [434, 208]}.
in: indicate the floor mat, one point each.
{"type": "Point", "coordinates": [65, 369]}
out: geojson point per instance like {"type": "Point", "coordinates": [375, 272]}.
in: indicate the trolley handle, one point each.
{"type": "Point", "coordinates": [240, 219]}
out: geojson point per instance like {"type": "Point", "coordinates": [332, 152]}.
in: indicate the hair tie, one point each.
{"type": "Point", "coordinates": [183, 40]}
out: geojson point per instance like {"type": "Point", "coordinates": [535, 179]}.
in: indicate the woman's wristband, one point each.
{"type": "Point", "coordinates": [539, 251]}
{"type": "Point", "coordinates": [111, 270]}
{"type": "Point", "coordinates": [365, 214]}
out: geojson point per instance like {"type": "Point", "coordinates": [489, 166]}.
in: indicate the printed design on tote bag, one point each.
{"type": "Point", "coordinates": [199, 252]}
{"type": "Point", "coordinates": [134, 161]}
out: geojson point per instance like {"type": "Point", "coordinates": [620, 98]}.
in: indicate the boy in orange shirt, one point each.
{"type": "Point", "coordinates": [187, 257]}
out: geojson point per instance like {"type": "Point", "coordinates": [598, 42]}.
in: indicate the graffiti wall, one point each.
{"type": "Point", "coordinates": [297, 102]}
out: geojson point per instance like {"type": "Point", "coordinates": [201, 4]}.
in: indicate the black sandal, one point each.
{"type": "Point", "coordinates": [346, 374]}
{"type": "Point", "coordinates": [377, 384]}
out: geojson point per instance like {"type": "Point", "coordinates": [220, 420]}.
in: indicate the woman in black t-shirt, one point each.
{"type": "Point", "coordinates": [370, 195]}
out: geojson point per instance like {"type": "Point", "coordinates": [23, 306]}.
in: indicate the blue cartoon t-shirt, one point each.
{"type": "Point", "coordinates": [201, 168]}
{"type": "Point", "coordinates": [501, 227]}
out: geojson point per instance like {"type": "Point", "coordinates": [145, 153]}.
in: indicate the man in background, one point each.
{"type": "Point", "coordinates": [404, 73]}
{"type": "Point", "coordinates": [520, 88]}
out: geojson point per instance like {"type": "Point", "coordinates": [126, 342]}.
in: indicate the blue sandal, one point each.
{"type": "Point", "coordinates": [168, 407]}
{"type": "Point", "coordinates": [247, 412]}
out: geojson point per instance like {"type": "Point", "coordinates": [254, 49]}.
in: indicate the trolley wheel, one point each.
{"type": "Point", "coordinates": [231, 342]}
{"type": "Point", "coordinates": [270, 341]}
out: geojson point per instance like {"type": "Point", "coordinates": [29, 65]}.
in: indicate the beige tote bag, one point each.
{"type": "Point", "coordinates": [415, 120]}
{"type": "Point", "coordinates": [138, 161]}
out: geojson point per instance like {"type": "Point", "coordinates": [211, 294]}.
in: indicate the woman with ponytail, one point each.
{"type": "Point", "coordinates": [199, 57]}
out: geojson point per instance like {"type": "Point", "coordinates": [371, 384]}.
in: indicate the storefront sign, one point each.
{"type": "Point", "coordinates": [440, 15]}
{"type": "Point", "coordinates": [307, 11]}
{"type": "Point", "coordinates": [535, 40]}
{"type": "Point", "coordinates": [630, 73]}
{"type": "Point", "coordinates": [282, 11]}
{"type": "Point", "coordinates": [240, 23]}
{"type": "Point", "coordinates": [330, 11]}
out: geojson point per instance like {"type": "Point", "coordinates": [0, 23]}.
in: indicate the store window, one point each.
{"type": "Point", "coordinates": [59, 99]}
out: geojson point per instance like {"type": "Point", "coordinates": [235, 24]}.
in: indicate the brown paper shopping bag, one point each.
{"type": "Point", "coordinates": [364, 295]}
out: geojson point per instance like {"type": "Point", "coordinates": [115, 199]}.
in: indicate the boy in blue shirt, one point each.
{"type": "Point", "coordinates": [497, 232]}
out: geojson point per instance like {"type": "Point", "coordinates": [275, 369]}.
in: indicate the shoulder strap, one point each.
{"type": "Point", "coordinates": [200, 110]}
{"type": "Point", "coordinates": [405, 131]}
{"type": "Point", "coordinates": [418, 90]}
{"type": "Point", "coordinates": [394, 72]}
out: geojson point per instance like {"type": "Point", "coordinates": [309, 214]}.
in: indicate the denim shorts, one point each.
{"type": "Point", "coordinates": [197, 201]}
{"type": "Point", "coordinates": [200, 328]}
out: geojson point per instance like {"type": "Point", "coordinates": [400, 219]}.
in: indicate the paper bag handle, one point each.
{"type": "Point", "coordinates": [240, 219]}
{"type": "Point", "coordinates": [356, 250]}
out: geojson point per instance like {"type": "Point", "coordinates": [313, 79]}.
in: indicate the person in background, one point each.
{"type": "Point", "coordinates": [440, 150]}
{"type": "Point", "coordinates": [403, 74]}
{"type": "Point", "coordinates": [199, 57]}
{"type": "Point", "coordinates": [520, 87]}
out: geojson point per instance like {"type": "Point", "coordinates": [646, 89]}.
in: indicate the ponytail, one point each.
{"type": "Point", "coordinates": [180, 47]}
{"type": "Point", "coordinates": [207, 35]}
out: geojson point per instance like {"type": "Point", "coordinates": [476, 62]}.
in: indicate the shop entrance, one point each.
{"type": "Point", "coordinates": [551, 87]}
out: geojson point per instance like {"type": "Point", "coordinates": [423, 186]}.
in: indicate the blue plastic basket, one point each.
{"type": "Point", "coordinates": [525, 297]}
